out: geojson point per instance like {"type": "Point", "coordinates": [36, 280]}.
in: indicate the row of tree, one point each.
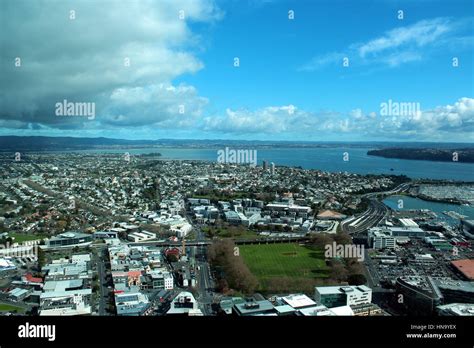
{"type": "Point", "coordinates": [232, 272]}
{"type": "Point", "coordinates": [348, 270]}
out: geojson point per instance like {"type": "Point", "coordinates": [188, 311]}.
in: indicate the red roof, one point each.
{"type": "Point", "coordinates": [32, 279]}
{"type": "Point", "coordinates": [134, 273]}
{"type": "Point", "coordinates": [172, 251]}
{"type": "Point", "coordinates": [466, 267]}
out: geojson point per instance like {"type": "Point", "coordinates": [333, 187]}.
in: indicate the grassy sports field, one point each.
{"type": "Point", "coordinates": [4, 307]}
{"type": "Point", "coordinates": [284, 261]}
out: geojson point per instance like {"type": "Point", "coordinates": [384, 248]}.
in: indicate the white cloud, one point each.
{"type": "Point", "coordinates": [400, 45]}
{"type": "Point", "coordinates": [450, 123]}
{"type": "Point", "coordinates": [162, 105]}
{"type": "Point", "coordinates": [420, 34]}
{"type": "Point", "coordinates": [322, 61]}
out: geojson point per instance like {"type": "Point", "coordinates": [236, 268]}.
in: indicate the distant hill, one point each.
{"type": "Point", "coordinates": [39, 143]}
{"type": "Point", "coordinates": [11, 143]}
{"type": "Point", "coordinates": [424, 154]}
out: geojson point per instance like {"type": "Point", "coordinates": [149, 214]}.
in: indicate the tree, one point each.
{"type": "Point", "coordinates": [231, 266]}
{"type": "Point", "coordinates": [342, 238]}
{"type": "Point", "coordinates": [338, 272]}
{"type": "Point", "coordinates": [172, 257]}
{"type": "Point", "coordinates": [357, 279]}
{"type": "Point", "coordinates": [41, 257]}
{"type": "Point", "coordinates": [320, 240]}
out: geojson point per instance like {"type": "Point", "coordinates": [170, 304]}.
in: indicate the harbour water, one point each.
{"type": "Point", "coordinates": [326, 159]}
{"type": "Point", "coordinates": [437, 207]}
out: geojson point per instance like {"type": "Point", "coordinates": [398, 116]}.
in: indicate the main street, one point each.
{"type": "Point", "coordinates": [205, 283]}
{"type": "Point", "coordinates": [102, 282]}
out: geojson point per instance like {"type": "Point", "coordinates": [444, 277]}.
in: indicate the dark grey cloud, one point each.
{"type": "Point", "coordinates": [82, 56]}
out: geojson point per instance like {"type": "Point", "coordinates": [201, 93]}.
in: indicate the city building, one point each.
{"type": "Point", "coordinates": [184, 304]}
{"type": "Point", "coordinates": [131, 303]}
{"type": "Point", "coordinates": [68, 240]}
{"type": "Point", "coordinates": [410, 231]}
{"type": "Point", "coordinates": [226, 304]}
{"type": "Point", "coordinates": [456, 309]}
{"type": "Point", "coordinates": [235, 218]}
{"type": "Point", "coordinates": [380, 238]}
{"type": "Point", "coordinates": [141, 236]}
{"type": "Point", "coordinates": [157, 279]}
{"type": "Point", "coordinates": [367, 310]}
{"type": "Point", "coordinates": [464, 267]}
{"type": "Point", "coordinates": [19, 294]}
{"type": "Point", "coordinates": [455, 290]}
{"type": "Point", "coordinates": [253, 307]}
{"type": "Point", "coordinates": [298, 301]}
{"type": "Point", "coordinates": [182, 230]}
{"type": "Point", "coordinates": [6, 264]}
{"type": "Point", "coordinates": [420, 294]}
{"type": "Point", "coordinates": [77, 267]}
{"type": "Point", "coordinates": [330, 215]}
{"type": "Point", "coordinates": [65, 302]}
{"type": "Point", "coordinates": [322, 311]}
{"type": "Point", "coordinates": [336, 296]}
{"type": "Point", "coordinates": [468, 228]}
{"type": "Point", "coordinates": [105, 235]}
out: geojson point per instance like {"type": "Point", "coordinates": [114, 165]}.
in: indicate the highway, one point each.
{"type": "Point", "coordinates": [376, 211]}
{"type": "Point", "coordinates": [371, 217]}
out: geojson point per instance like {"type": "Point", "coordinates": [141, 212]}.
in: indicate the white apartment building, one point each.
{"type": "Point", "coordinates": [336, 296]}
{"type": "Point", "coordinates": [379, 238]}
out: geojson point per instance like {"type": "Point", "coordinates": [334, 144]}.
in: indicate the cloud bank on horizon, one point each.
{"type": "Point", "coordinates": [150, 69]}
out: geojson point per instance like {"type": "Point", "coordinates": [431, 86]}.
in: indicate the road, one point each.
{"type": "Point", "coordinates": [376, 211]}
{"type": "Point", "coordinates": [205, 283]}
{"type": "Point", "coordinates": [205, 288]}
{"type": "Point", "coordinates": [103, 290]}
{"type": "Point", "coordinates": [205, 243]}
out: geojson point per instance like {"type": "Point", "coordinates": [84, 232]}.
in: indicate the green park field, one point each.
{"type": "Point", "coordinates": [8, 308]}
{"type": "Point", "coordinates": [21, 237]}
{"type": "Point", "coordinates": [273, 264]}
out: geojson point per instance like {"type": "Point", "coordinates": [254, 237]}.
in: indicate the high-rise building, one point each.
{"type": "Point", "coordinates": [265, 165]}
{"type": "Point", "coordinates": [272, 168]}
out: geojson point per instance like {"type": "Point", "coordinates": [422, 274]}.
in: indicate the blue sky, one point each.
{"type": "Point", "coordinates": [291, 83]}
{"type": "Point", "coordinates": [272, 48]}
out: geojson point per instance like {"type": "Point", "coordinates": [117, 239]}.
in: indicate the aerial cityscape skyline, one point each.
{"type": "Point", "coordinates": [274, 169]}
